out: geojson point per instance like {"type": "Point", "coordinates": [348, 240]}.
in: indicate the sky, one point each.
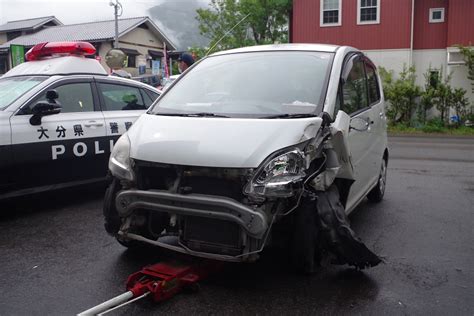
{"type": "Point", "coordinates": [77, 11]}
{"type": "Point", "coordinates": [71, 11]}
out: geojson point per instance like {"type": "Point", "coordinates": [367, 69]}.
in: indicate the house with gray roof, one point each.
{"type": "Point", "coordinates": [13, 29]}
{"type": "Point", "coordinates": [139, 38]}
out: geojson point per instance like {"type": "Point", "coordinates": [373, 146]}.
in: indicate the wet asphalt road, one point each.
{"type": "Point", "coordinates": [56, 259]}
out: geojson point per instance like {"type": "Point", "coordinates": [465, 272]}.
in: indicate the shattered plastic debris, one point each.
{"type": "Point", "coordinates": [339, 238]}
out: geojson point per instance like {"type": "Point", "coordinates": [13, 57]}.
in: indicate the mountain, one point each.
{"type": "Point", "coordinates": [177, 19]}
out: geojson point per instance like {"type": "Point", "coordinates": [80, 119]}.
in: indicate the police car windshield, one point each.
{"type": "Point", "coordinates": [256, 85]}
{"type": "Point", "coordinates": [11, 88]}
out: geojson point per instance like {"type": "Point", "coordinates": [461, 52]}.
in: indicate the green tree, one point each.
{"type": "Point", "coordinates": [459, 102]}
{"type": "Point", "coordinates": [261, 22]}
{"type": "Point", "coordinates": [401, 93]}
{"type": "Point", "coordinates": [198, 52]}
{"type": "Point", "coordinates": [443, 95]}
{"type": "Point", "coordinates": [429, 95]}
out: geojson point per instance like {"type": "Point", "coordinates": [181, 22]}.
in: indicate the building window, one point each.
{"type": "Point", "coordinates": [368, 11]}
{"type": "Point", "coordinates": [455, 57]}
{"type": "Point", "coordinates": [436, 15]}
{"type": "Point", "coordinates": [330, 13]}
{"type": "Point", "coordinates": [131, 61]}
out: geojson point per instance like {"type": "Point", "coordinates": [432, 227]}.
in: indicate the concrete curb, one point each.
{"type": "Point", "coordinates": [430, 135]}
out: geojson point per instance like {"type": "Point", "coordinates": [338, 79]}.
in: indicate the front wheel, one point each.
{"type": "Point", "coordinates": [377, 193]}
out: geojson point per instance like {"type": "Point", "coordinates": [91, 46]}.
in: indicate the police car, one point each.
{"type": "Point", "coordinates": [60, 114]}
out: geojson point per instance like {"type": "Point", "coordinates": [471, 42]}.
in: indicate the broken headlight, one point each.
{"type": "Point", "coordinates": [278, 176]}
{"type": "Point", "coordinates": [119, 162]}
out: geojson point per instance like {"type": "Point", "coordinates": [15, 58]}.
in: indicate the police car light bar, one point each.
{"type": "Point", "coordinates": [64, 48]}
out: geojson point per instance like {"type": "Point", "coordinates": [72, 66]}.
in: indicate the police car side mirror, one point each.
{"type": "Point", "coordinates": [43, 108]}
{"type": "Point", "coordinates": [52, 95]}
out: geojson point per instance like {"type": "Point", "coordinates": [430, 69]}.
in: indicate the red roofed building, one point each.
{"type": "Point", "coordinates": [393, 33]}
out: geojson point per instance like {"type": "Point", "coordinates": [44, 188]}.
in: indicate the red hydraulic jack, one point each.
{"type": "Point", "coordinates": [161, 281]}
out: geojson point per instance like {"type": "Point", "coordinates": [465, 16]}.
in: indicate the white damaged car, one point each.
{"type": "Point", "coordinates": [253, 147]}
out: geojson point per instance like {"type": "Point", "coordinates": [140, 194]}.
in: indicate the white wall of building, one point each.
{"type": "Point", "coordinates": [459, 79]}
{"type": "Point", "coordinates": [390, 59]}
{"type": "Point", "coordinates": [143, 37]}
{"type": "Point", "coordinates": [139, 39]}
{"type": "Point", "coordinates": [423, 60]}
{"type": "Point", "coordinates": [3, 38]}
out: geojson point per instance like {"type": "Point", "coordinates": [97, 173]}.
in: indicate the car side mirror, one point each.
{"type": "Point", "coordinates": [359, 124]}
{"type": "Point", "coordinates": [52, 95]}
{"type": "Point", "coordinates": [43, 108]}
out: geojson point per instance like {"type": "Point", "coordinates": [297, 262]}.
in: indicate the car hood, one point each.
{"type": "Point", "coordinates": [215, 142]}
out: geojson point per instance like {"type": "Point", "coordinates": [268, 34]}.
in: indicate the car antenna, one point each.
{"type": "Point", "coordinates": [226, 33]}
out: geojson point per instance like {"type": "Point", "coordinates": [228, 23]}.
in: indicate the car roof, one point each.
{"type": "Point", "coordinates": [64, 65]}
{"type": "Point", "coordinates": [130, 82]}
{"type": "Point", "coordinates": [282, 47]}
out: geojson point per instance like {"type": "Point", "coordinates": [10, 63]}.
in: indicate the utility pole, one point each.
{"type": "Point", "coordinates": [117, 5]}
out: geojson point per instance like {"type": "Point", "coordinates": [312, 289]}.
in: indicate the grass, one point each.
{"type": "Point", "coordinates": [430, 129]}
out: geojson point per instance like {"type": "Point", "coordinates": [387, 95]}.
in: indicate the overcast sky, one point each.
{"type": "Point", "coordinates": [74, 11]}
{"type": "Point", "coordinates": [77, 11]}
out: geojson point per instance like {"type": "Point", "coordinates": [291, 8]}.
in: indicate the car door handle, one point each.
{"type": "Point", "coordinates": [93, 123]}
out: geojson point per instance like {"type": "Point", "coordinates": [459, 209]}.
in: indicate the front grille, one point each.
{"type": "Point", "coordinates": [150, 176]}
{"type": "Point", "coordinates": [226, 182]}
{"type": "Point", "coordinates": [211, 235]}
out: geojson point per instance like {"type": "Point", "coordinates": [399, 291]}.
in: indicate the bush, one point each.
{"type": "Point", "coordinates": [401, 93]}
{"type": "Point", "coordinates": [434, 126]}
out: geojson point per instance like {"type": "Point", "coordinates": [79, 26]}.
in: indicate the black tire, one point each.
{"type": "Point", "coordinates": [377, 193]}
{"type": "Point", "coordinates": [112, 220]}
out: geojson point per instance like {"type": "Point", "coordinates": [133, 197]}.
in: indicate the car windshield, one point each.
{"type": "Point", "coordinates": [257, 84]}
{"type": "Point", "coordinates": [11, 88]}
{"type": "Point", "coordinates": [167, 82]}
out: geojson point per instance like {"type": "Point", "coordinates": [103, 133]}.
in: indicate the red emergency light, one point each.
{"type": "Point", "coordinates": [62, 48]}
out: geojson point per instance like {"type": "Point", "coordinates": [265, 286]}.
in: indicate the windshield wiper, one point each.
{"type": "Point", "coordinates": [199, 114]}
{"type": "Point", "coordinates": [287, 115]}
{"type": "Point", "coordinates": [205, 114]}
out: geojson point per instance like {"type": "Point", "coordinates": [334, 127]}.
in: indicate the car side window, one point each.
{"type": "Point", "coordinates": [120, 97]}
{"type": "Point", "coordinates": [373, 85]}
{"type": "Point", "coordinates": [146, 97]}
{"type": "Point", "coordinates": [354, 90]}
{"type": "Point", "coordinates": [73, 97]}
{"type": "Point", "coordinates": [152, 95]}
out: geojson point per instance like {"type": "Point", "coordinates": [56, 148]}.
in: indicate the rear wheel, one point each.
{"type": "Point", "coordinates": [377, 193]}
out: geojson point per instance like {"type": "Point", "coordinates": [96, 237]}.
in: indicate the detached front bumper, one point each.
{"type": "Point", "coordinates": [196, 211]}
